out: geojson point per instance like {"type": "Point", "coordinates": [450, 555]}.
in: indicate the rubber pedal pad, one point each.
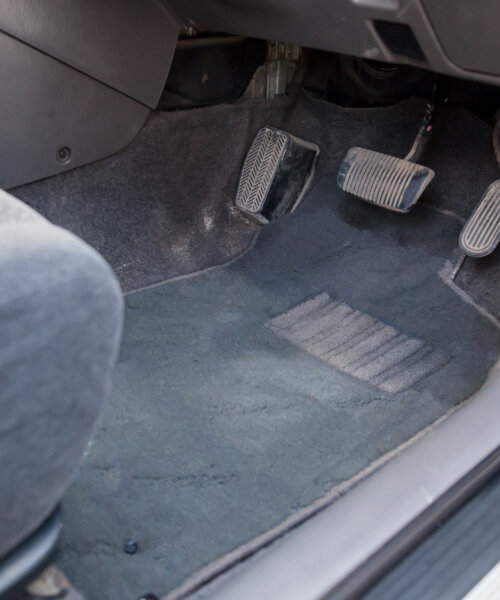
{"type": "Point", "coordinates": [481, 233]}
{"type": "Point", "coordinates": [277, 172]}
{"type": "Point", "coordinates": [392, 183]}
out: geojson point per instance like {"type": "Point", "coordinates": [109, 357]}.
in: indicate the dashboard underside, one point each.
{"type": "Point", "coordinates": [81, 77]}
{"type": "Point", "coordinates": [454, 37]}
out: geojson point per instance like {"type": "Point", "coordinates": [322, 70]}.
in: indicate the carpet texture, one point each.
{"type": "Point", "coordinates": [162, 207]}
{"type": "Point", "coordinates": [218, 427]}
{"type": "Point", "coordinates": [481, 280]}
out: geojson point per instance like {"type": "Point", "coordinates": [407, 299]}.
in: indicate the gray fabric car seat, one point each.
{"type": "Point", "coordinates": [60, 325]}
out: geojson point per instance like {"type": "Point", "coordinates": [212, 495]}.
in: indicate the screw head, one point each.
{"type": "Point", "coordinates": [63, 155]}
{"type": "Point", "coordinates": [131, 546]}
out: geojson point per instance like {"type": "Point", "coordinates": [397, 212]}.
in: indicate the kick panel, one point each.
{"type": "Point", "coordinates": [55, 118]}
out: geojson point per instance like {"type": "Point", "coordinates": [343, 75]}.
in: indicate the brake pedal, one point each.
{"type": "Point", "coordinates": [277, 171]}
{"type": "Point", "coordinates": [481, 233]}
{"type": "Point", "coordinates": [387, 181]}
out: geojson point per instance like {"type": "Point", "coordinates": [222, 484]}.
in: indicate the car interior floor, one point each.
{"type": "Point", "coordinates": [264, 370]}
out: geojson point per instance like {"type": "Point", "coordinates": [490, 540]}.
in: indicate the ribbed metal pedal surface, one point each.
{"type": "Point", "coordinates": [259, 169]}
{"type": "Point", "coordinates": [384, 180]}
{"type": "Point", "coordinates": [481, 234]}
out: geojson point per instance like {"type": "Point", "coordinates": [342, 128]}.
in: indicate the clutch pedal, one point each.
{"type": "Point", "coordinates": [481, 233]}
{"type": "Point", "coordinates": [387, 181]}
{"type": "Point", "coordinates": [277, 171]}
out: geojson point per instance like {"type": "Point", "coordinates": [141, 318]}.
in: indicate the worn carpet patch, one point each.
{"type": "Point", "coordinates": [358, 344]}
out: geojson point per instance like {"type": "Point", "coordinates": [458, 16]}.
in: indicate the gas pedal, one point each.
{"type": "Point", "coordinates": [387, 181]}
{"type": "Point", "coordinates": [384, 180]}
{"type": "Point", "coordinates": [481, 233]}
{"type": "Point", "coordinates": [277, 172]}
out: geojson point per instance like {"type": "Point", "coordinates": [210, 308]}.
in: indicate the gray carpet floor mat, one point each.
{"type": "Point", "coordinates": [222, 422]}
{"type": "Point", "coordinates": [231, 411]}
